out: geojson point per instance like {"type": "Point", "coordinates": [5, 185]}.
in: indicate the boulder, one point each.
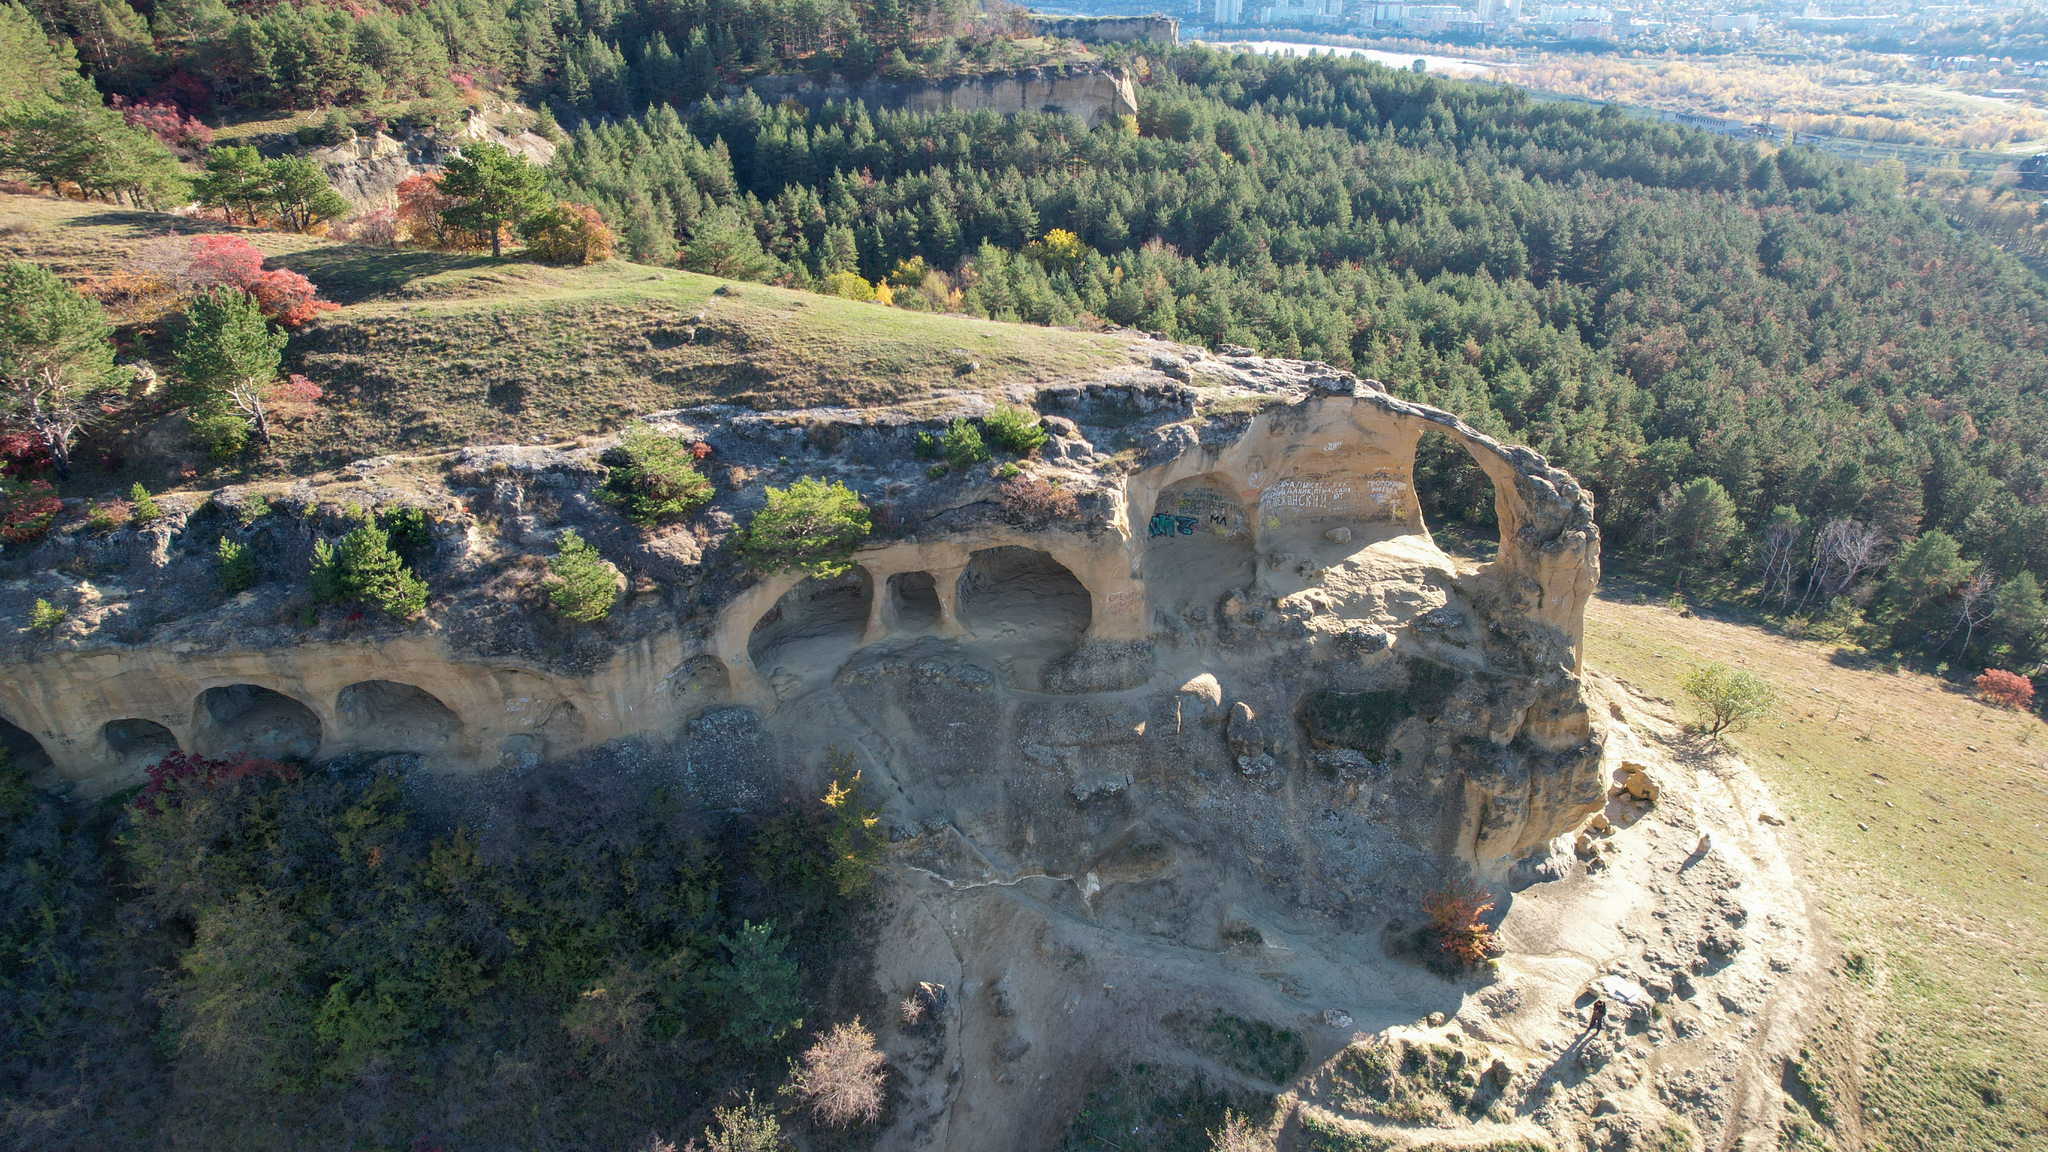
{"type": "Point", "coordinates": [1339, 535]}
{"type": "Point", "coordinates": [1246, 737]}
{"type": "Point", "coordinates": [1639, 785]}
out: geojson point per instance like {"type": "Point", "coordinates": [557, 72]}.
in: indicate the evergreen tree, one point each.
{"type": "Point", "coordinates": [236, 177]}
{"type": "Point", "coordinates": [302, 195]}
{"type": "Point", "coordinates": [228, 356]}
{"type": "Point", "coordinates": [493, 189]}
{"type": "Point", "coordinates": [723, 244]}
{"type": "Point", "coordinates": [56, 357]}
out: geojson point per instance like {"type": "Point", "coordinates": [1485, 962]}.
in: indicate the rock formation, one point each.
{"type": "Point", "coordinates": [1199, 675]}
{"type": "Point", "coordinates": [1092, 93]}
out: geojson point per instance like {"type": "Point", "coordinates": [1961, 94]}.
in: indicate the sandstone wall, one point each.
{"type": "Point", "coordinates": [1109, 29]}
{"type": "Point", "coordinates": [1091, 94]}
{"type": "Point", "coordinates": [1280, 557]}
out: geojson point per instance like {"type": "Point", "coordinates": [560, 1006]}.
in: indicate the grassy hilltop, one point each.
{"type": "Point", "coordinates": [433, 351]}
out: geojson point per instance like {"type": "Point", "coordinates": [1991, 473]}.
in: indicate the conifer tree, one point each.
{"type": "Point", "coordinates": [494, 188]}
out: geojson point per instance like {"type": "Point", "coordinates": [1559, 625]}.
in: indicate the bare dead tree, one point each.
{"type": "Point", "coordinates": [1843, 550]}
{"type": "Point", "coordinates": [1975, 602]}
{"type": "Point", "coordinates": [1775, 554]}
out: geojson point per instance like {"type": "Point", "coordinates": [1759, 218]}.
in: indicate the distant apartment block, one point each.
{"type": "Point", "coordinates": [1743, 24]}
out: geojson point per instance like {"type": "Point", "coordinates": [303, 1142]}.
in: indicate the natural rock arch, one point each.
{"type": "Point", "coordinates": [1023, 594]}
{"type": "Point", "coordinates": [818, 622]}
{"type": "Point", "coordinates": [254, 720]}
{"type": "Point", "coordinates": [387, 716]}
{"type": "Point", "coordinates": [138, 743]}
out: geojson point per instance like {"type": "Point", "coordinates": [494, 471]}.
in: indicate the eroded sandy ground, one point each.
{"type": "Point", "coordinates": [1694, 899]}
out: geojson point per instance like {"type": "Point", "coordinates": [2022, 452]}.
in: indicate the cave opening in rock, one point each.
{"type": "Point", "coordinates": [915, 596]}
{"type": "Point", "coordinates": [139, 743]}
{"type": "Point", "coordinates": [815, 624]}
{"type": "Point", "coordinates": [1024, 595]}
{"type": "Point", "coordinates": [254, 721]}
{"type": "Point", "coordinates": [387, 716]}
{"type": "Point", "coordinates": [23, 750]}
{"type": "Point", "coordinates": [1198, 543]}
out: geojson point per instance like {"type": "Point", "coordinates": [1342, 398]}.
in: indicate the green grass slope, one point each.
{"type": "Point", "coordinates": [434, 350]}
{"type": "Point", "coordinates": [1922, 815]}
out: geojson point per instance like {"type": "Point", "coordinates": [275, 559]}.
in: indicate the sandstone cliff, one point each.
{"type": "Point", "coordinates": [1093, 94]}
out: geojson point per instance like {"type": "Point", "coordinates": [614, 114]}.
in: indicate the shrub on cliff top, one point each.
{"type": "Point", "coordinates": [962, 445]}
{"type": "Point", "coordinates": [653, 478]}
{"type": "Point", "coordinates": [364, 567]}
{"type": "Point", "coordinates": [585, 586]}
{"type": "Point", "coordinates": [810, 527]}
{"type": "Point", "coordinates": [1014, 430]}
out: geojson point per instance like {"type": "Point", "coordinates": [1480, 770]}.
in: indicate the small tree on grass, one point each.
{"type": "Point", "coordinates": [723, 243]}
{"type": "Point", "coordinates": [365, 568]}
{"type": "Point", "coordinates": [492, 189]}
{"type": "Point", "coordinates": [228, 355]}
{"type": "Point", "coordinates": [842, 1077]}
{"type": "Point", "coordinates": [585, 585]}
{"type": "Point", "coordinates": [810, 527]}
{"type": "Point", "coordinates": [1014, 430]}
{"type": "Point", "coordinates": [653, 478]}
{"type": "Point", "coordinates": [1455, 936]}
{"type": "Point", "coordinates": [2005, 689]}
{"type": "Point", "coordinates": [1728, 698]}
{"type": "Point", "coordinates": [55, 356]}
{"type": "Point", "coordinates": [569, 234]}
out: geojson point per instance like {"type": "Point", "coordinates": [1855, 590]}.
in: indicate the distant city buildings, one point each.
{"type": "Point", "coordinates": [1534, 22]}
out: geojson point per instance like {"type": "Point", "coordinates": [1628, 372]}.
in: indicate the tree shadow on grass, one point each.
{"type": "Point", "coordinates": [353, 273]}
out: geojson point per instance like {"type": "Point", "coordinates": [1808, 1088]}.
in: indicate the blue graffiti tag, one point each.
{"type": "Point", "coordinates": [1186, 524]}
{"type": "Point", "coordinates": [1160, 525]}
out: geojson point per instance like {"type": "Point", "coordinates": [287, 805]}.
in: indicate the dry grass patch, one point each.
{"type": "Point", "coordinates": [1920, 813]}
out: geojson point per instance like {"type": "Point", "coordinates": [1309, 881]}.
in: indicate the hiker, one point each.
{"type": "Point", "coordinates": [1599, 1020]}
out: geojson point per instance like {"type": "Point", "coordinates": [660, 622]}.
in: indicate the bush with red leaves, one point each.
{"type": "Point", "coordinates": [167, 123]}
{"type": "Point", "coordinates": [26, 509]}
{"type": "Point", "coordinates": [232, 262]}
{"type": "Point", "coordinates": [1455, 937]}
{"type": "Point", "coordinates": [222, 262]}
{"type": "Point", "coordinates": [182, 772]}
{"type": "Point", "coordinates": [287, 297]}
{"type": "Point", "coordinates": [2005, 689]}
{"type": "Point", "coordinates": [23, 455]}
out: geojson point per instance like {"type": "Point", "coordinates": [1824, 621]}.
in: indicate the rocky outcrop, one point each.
{"type": "Point", "coordinates": [1093, 94]}
{"type": "Point", "coordinates": [1243, 601]}
{"type": "Point", "coordinates": [368, 169]}
{"type": "Point", "coordinates": [1156, 28]}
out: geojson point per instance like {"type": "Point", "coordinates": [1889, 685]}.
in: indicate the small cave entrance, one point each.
{"type": "Point", "coordinates": [1024, 596]}
{"type": "Point", "coordinates": [1198, 543]}
{"type": "Point", "coordinates": [138, 743]}
{"type": "Point", "coordinates": [914, 599]}
{"type": "Point", "coordinates": [255, 721]}
{"type": "Point", "coordinates": [387, 716]}
{"type": "Point", "coordinates": [23, 750]}
{"type": "Point", "coordinates": [814, 626]}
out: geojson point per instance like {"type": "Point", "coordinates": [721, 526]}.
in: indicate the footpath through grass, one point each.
{"type": "Point", "coordinates": [1922, 816]}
